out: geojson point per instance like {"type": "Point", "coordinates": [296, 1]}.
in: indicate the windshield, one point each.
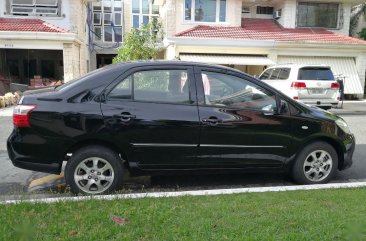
{"type": "Point", "coordinates": [315, 73]}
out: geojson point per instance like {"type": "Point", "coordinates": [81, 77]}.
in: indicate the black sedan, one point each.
{"type": "Point", "coordinates": [170, 117]}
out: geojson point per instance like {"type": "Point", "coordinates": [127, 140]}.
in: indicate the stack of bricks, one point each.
{"type": "Point", "coordinates": [38, 82]}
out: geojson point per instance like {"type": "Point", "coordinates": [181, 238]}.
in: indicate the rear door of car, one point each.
{"type": "Point", "coordinates": [320, 83]}
{"type": "Point", "coordinates": [152, 115]}
{"type": "Point", "coordinates": [240, 127]}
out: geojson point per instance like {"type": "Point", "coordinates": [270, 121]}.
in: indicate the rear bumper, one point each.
{"type": "Point", "coordinates": [31, 156]}
{"type": "Point", "coordinates": [321, 102]}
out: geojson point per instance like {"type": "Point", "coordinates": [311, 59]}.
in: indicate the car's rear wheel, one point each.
{"type": "Point", "coordinates": [316, 163]}
{"type": "Point", "coordinates": [94, 170]}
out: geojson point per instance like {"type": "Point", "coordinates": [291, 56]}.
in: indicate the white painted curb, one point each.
{"type": "Point", "coordinates": [192, 193]}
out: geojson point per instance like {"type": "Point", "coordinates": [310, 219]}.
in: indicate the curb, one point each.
{"type": "Point", "coordinates": [192, 193]}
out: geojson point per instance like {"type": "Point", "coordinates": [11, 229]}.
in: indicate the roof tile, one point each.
{"type": "Point", "coordinates": [268, 29]}
{"type": "Point", "coordinates": [28, 25]}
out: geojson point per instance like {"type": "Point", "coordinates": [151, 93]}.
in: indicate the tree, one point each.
{"type": "Point", "coordinates": [356, 13]}
{"type": "Point", "coordinates": [142, 43]}
{"type": "Point", "coordinates": [362, 34]}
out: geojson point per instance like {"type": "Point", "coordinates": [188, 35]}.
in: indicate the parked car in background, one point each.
{"type": "Point", "coordinates": [310, 84]}
{"type": "Point", "coordinates": [170, 117]}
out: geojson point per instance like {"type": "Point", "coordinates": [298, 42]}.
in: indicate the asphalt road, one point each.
{"type": "Point", "coordinates": [14, 180]}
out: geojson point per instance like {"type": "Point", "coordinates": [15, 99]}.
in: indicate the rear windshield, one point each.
{"type": "Point", "coordinates": [315, 73]}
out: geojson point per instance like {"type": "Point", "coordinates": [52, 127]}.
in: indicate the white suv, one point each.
{"type": "Point", "coordinates": [309, 84]}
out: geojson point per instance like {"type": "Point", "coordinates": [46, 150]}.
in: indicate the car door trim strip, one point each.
{"type": "Point", "coordinates": [163, 145]}
{"type": "Point", "coordinates": [202, 145]}
{"type": "Point", "coordinates": [239, 146]}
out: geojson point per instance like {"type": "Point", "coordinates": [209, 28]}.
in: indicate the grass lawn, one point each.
{"type": "Point", "coordinates": [338, 214]}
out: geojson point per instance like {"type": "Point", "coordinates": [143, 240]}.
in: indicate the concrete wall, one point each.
{"type": "Point", "coordinates": [288, 17]}
{"type": "Point", "coordinates": [344, 28]}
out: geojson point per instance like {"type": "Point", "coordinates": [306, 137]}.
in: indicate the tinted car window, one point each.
{"type": "Point", "coordinates": [123, 90]}
{"type": "Point", "coordinates": [266, 74]}
{"type": "Point", "coordinates": [227, 90]}
{"type": "Point", "coordinates": [155, 86]}
{"type": "Point", "coordinates": [284, 73]}
{"type": "Point", "coordinates": [311, 73]}
{"type": "Point", "coordinates": [275, 74]}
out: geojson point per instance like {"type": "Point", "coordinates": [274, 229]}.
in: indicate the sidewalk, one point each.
{"type": "Point", "coordinates": [351, 107]}
{"type": "Point", "coordinates": [8, 111]}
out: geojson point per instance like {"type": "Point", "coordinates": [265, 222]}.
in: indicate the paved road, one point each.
{"type": "Point", "coordinates": [15, 180]}
{"type": "Point", "coordinates": [12, 179]}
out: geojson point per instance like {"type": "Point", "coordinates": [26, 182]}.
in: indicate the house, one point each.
{"type": "Point", "coordinates": [66, 38]}
{"type": "Point", "coordinates": [252, 34]}
{"type": "Point", "coordinates": [42, 38]}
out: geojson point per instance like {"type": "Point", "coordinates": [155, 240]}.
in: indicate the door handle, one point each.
{"type": "Point", "coordinates": [126, 116]}
{"type": "Point", "coordinates": [212, 121]}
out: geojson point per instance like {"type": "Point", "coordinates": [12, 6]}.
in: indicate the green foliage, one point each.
{"type": "Point", "coordinates": [362, 34]}
{"type": "Point", "coordinates": [141, 43]}
{"type": "Point", "coordinates": [336, 214]}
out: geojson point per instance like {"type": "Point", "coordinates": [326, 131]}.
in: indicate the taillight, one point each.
{"type": "Point", "coordinates": [334, 86]}
{"type": "Point", "coordinates": [298, 85]}
{"type": "Point", "coordinates": [21, 115]}
{"type": "Point", "coordinates": [296, 97]}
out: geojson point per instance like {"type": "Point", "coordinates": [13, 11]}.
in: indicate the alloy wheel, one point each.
{"type": "Point", "coordinates": [318, 165]}
{"type": "Point", "coordinates": [94, 175]}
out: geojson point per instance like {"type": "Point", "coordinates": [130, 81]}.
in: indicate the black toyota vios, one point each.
{"type": "Point", "coordinates": [170, 117]}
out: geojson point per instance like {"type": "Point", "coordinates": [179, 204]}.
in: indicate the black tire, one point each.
{"type": "Point", "coordinates": [313, 175]}
{"type": "Point", "coordinates": [94, 179]}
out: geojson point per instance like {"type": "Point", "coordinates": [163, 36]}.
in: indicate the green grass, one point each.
{"type": "Point", "coordinates": [297, 215]}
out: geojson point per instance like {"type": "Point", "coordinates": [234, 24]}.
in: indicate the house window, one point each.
{"type": "Point", "coordinates": [142, 12]}
{"type": "Point", "coordinates": [107, 20]}
{"type": "Point", "coordinates": [47, 8]}
{"type": "Point", "coordinates": [324, 15]}
{"type": "Point", "coordinates": [245, 9]}
{"type": "Point", "coordinates": [264, 10]}
{"type": "Point", "coordinates": [205, 10]}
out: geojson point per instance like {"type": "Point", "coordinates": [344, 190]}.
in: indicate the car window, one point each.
{"type": "Point", "coordinates": [266, 74]}
{"type": "Point", "coordinates": [169, 86]}
{"type": "Point", "coordinates": [284, 73]}
{"type": "Point", "coordinates": [275, 74]}
{"type": "Point", "coordinates": [315, 73]}
{"type": "Point", "coordinates": [122, 91]}
{"type": "Point", "coordinates": [228, 90]}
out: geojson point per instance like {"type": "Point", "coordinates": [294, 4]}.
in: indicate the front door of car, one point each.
{"type": "Point", "coordinates": [153, 117]}
{"type": "Point", "coordinates": [240, 126]}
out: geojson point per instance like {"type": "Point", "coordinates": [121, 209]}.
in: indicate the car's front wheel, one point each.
{"type": "Point", "coordinates": [316, 163]}
{"type": "Point", "coordinates": [94, 170]}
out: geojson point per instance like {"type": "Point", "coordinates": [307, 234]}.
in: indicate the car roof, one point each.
{"type": "Point", "coordinates": [293, 65]}
{"type": "Point", "coordinates": [132, 64]}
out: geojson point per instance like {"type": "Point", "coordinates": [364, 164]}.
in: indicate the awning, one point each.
{"type": "Point", "coordinates": [340, 66]}
{"type": "Point", "coordinates": [227, 59]}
